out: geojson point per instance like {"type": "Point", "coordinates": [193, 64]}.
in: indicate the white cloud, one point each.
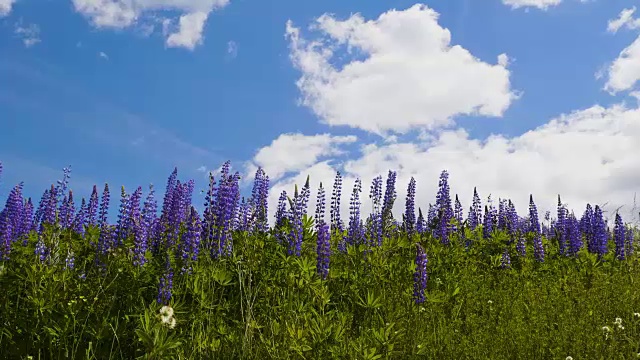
{"type": "Point", "coordinates": [202, 169]}
{"type": "Point", "coordinates": [540, 4]}
{"type": "Point", "coordinates": [5, 7]}
{"type": "Point", "coordinates": [409, 75]}
{"type": "Point", "coordinates": [294, 152]}
{"type": "Point", "coordinates": [30, 34]}
{"type": "Point", "coordinates": [624, 19]}
{"type": "Point", "coordinates": [125, 13]}
{"type": "Point", "coordinates": [103, 55]}
{"type": "Point", "coordinates": [586, 156]}
{"type": "Point", "coordinates": [190, 30]}
{"type": "Point", "coordinates": [624, 71]}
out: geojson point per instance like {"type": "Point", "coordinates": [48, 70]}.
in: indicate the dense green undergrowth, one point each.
{"type": "Point", "coordinates": [261, 303]}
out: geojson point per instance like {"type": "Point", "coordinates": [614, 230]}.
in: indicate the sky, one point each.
{"type": "Point", "coordinates": [514, 97]}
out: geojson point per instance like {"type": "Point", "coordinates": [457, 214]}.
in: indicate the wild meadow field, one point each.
{"type": "Point", "coordinates": [241, 281]}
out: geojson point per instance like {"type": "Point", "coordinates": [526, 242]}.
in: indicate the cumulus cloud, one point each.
{"type": "Point", "coordinates": [624, 72]}
{"type": "Point", "coordinates": [404, 73]}
{"type": "Point", "coordinates": [5, 7]}
{"type": "Point", "coordinates": [585, 156]}
{"type": "Point", "coordinates": [294, 152]}
{"type": "Point", "coordinates": [625, 19]}
{"type": "Point", "coordinates": [187, 33]}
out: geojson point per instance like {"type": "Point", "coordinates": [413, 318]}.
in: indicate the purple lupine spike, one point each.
{"type": "Point", "coordinates": [599, 232]}
{"type": "Point", "coordinates": [80, 218]}
{"type": "Point", "coordinates": [92, 208]}
{"type": "Point", "coordinates": [105, 231]}
{"type": "Point", "coordinates": [144, 227]}
{"type": "Point", "coordinates": [208, 216]}
{"type": "Point", "coordinates": [281, 217]}
{"type": "Point", "coordinates": [458, 212]}
{"type": "Point", "coordinates": [67, 211]}
{"type": "Point", "coordinates": [420, 275]}
{"type": "Point", "coordinates": [475, 211]}
{"type": "Point", "coordinates": [167, 201]}
{"type": "Point", "coordinates": [389, 199]}
{"type": "Point", "coordinates": [226, 201]}
{"type": "Point", "coordinates": [376, 215]}
{"type": "Point", "coordinates": [534, 227]}
{"type": "Point", "coordinates": [49, 215]}
{"type": "Point", "coordinates": [487, 227]}
{"type": "Point", "coordinates": [629, 241]}
{"type": "Point", "coordinates": [166, 284]}
{"type": "Point", "coordinates": [586, 227]}
{"type": "Point", "coordinates": [421, 225]}
{"type": "Point", "coordinates": [573, 236]}
{"type": "Point", "coordinates": [190, 244]}
{"type": "Point", "coordinates": [295, 219]}
{"type": "Point", "coordinates": [512, 221]}
{"type": "Point", "coordinates": [61, 187]}
{"type": "Point", "coordinates": [502, 215]}
{"type": "Point", "coordinates": [39, 213]}
{"type": "Point", "coordinates": [260, 197]}
{"type": "Point", "coordinates": [11, 221]}
{"type": "Point", "coordinates": [432, 218]}
{"type": "Point", "coordinates": [618, 235]}
{"type": "Point", "coordinates": [410, 208]}
{"type": "Point", "coordinates": [505, 260]}
{"type": "Point", "coordinates": [444, 209]}
{"type": "Point", "coordinates": [336, 195]}
{"type": "Point", "coordinates": [133, 223]}
{"type": "Point", "coordinates": [323, 249]}
{"type": "Point", "coordinates": [561, 227]}
{"type": "Point", "coordinates": [353, 233]}
{"type": "Point", "coordinates": [122, 225]}
{"type": "Point", "coordinates": [27, 220]}
{"type": "Point", "coordinates": [242, 222]}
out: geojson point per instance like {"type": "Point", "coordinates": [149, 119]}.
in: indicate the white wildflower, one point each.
{"type": "Point", "coordinates": [172, 323]}
{"type": "Point", "coordinates": [636, 315]}
{"type": "Point", "coordinates": [166, 311]}
{"type": "Point", "coordinates": [568, 358]}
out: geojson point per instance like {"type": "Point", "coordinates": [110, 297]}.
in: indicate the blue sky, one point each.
{"type": "Point", "coordinates": [124, 104]}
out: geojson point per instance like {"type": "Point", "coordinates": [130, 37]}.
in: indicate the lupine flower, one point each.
{"type": "Point", "coordinates": [512, 221]}
{"type": "Point", "coordinates": [123, 220]}
{"type": "Point", "coordinates": [389, 199]}
{"type": "Point", "coordinates": [92, 208]}
{"type": "Point", "coordinates": [619, 234]}
{"type": "Point", "coordinates": [143, 227]}
{"type": "Point", "coordinates": [534, 227]}
{"type": "Point", "coordinates": [323, 249]}
{"type": "Point", "coordinates": [80, 218]}
{"type": "Point", "coordinates": [27, 220]}
{"type": "Point", "coordinates": [487, 227]}
{"type": "Point", "coordinates": [475, 211]}
{"type": "Point", "coordinates": [420, 275]}
{"type": "Point", "coordinates": [190, 244]}
{"type": "Point", "coordinates": [281, 216]}
{"type": "Point", "coordinates": [336, 223]}
{"type": "Point", "coordinates": [260, 196]}
{"type": "Point", "coordinates": [41, 250]}
{"type": "Point", "coordinates": [166, 284]}
{"type": "Point", "coordinates": [599, 232]}
{"type": "Point", "coordinates": [353, 233]}
{"type": "Point", "coordinates": [410, 208]}
{"type": "Point", "coordinates": [629, 241]}
{"type": "Point", "coordinates": [295, 221]}
{"type": "Point", "coordinates": [105, 233]}
{"type": "Point", "coordinates": [49, 213]}
{"type": "Point", "coordinates": [561, 226]}
{"type": "Point", "coordinates": [573, 236]}
{"type": "Point", "coordinates": [376, 214]}
{"type": "Point", "coordinates": [505, 261]}
{"type": "Point", "coordinates": [11, 221]}
{"type": "Point", "coordinates": [443, 205]}
{"type": "Point", "coordinates": [502, 214]}
{"type": "Point", "coordinates": [61, 187]}
{"type": "Point", "coordinates": [586, 227]}
{"type": "Point", "coordinates": [421, 225]}
{"type": "Point", "coordinates": [457, 212]}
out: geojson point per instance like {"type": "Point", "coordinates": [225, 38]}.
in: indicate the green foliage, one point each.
{"type": "Point", "coordinates": [261, 303]}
